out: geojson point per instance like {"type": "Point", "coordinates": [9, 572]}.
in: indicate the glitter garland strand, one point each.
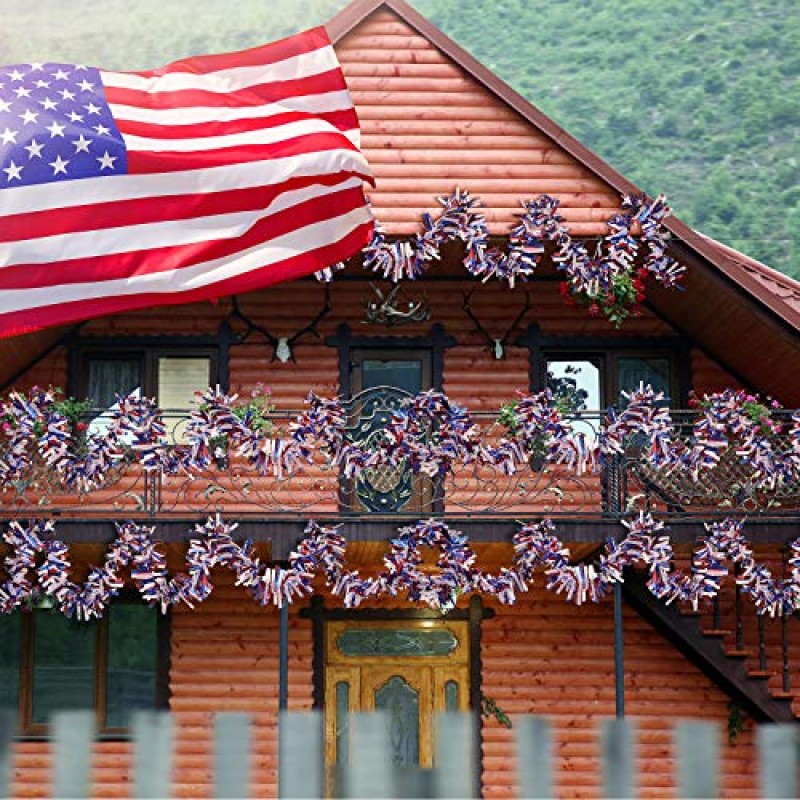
{"type": "Point", "coordinates": [429, 433]}
{"type": "Point", "coordinates": [608, 279]}
{"type": "Point", "coordinates": [39, 565]}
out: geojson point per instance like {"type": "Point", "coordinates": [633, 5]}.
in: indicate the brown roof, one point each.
{"type": "Point", "coordinates": [777, 284]}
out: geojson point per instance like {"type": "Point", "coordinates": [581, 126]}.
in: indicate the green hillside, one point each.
{"type": "Point", "coordinates": [698, 99]}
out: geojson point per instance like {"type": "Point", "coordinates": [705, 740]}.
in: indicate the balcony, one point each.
{"type": "Point", "coordinates": [252, 479]}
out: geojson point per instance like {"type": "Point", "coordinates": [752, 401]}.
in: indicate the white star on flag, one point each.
{"type": "Point", "coordinates": [13, 172]}
{"type": "Point", "coordinates": [55, 130]}
{"type": "Point", "coordinates": [59, 165]}
{"type": "Point", "coordinates": [34, 149]}
{"type": "Point", "coordinates": [107, 161]}
{"type": "Point", "coordinates": [82, 144]}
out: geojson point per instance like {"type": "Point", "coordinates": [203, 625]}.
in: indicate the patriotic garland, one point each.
{"type": "Point", "coordinates": [429, 433]}
{"type": "Point", "coordinates": [608, 279]}
{"type": "Point", "coordinates": [39, 565]}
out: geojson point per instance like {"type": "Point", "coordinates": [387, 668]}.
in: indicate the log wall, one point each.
{"type": "Point", "coordinates": [542, 656]}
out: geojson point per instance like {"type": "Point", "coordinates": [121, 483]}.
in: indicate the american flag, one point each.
{"type": "Point", "coordinates": [215, 175]}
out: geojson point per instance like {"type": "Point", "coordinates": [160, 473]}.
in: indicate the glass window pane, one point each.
{"type": "Point", "coordinates": [576, 384]}
{"type": "Point", "coordinates": [451, 696]}
{"type": "Point", "coordinates": [396, 642]}
{"type": "Point", "coordinates": [342, 723]}
{"type": "Point", "coordinates": [63, 670]}
{"type": "Point", "coordinates": [178, 380]}
{"type": "Point", "coordinates": [633, 370]}
{"type": "Point", "coordinates": [399, 374]}
{"type": "Point", "coordinates": [400, 701]}
{"type": "Point", "coordinates": [10, 625]}
{"type": "Point", "coordinates": [109, 377]}
{"type": "Point", "coordinates": [132, 662]}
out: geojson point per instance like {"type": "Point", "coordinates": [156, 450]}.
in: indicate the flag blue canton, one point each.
{"type": "Point", "coordinates": [55, 125]}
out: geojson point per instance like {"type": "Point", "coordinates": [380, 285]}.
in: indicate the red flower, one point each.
{"type": "Point", "coordinates": [563, 289]}
{"type": "Point", "coordinates": [594, 310]}
{"type": "Point", "coordinates": [640, 297]}
{"type": "Point", "coordinates": [81, 426]}
{"type": "Point", "coordinates": [637, 284]}
{"type": "Point", "coordinates": [642, 273]}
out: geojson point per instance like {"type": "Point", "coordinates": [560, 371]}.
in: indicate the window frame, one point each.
{"type": "Point", "coordinates": [37, 730]}
{"type": "Point", "coordinates": [605, 351]}
{"type": "Point", "coordinates": [358, 355]}
{"type": "Point", "coordinates": [607, 361]}
{"type": "Point", "coordinates": [149, 355]}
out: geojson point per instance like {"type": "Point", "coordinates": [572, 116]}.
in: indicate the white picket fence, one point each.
{"type": "Point", "coordinates": [371, 773]}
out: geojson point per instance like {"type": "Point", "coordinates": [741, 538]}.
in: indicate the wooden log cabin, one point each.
{"type": "Point", "coordinates": [432, 119]}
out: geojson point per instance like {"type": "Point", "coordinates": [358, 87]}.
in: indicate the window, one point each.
{"type": "Point", "coordinates": [406, 370]}
{"type": "Point", "coordinates": [170, 376]}
{"type": "Point", "coordinates": [50, 663]}
{"type": "Point", "coordinates": [593, 381]}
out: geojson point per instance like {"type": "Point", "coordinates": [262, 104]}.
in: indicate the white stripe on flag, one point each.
{"type": "Point", "coordinates": [313, 104]}
{"type": "Point", "coordinates": [280, 133]}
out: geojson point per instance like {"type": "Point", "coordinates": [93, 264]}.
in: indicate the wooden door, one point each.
{"type": "Point", "coordinates": [408, 669]}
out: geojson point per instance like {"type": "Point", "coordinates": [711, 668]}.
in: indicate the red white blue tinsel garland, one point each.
{"type": "Point", "coordinates": [38, 565]}
{"type": "Point", "coordinates": [590, 275]}
{"type": "Point", "coordinates": [429, 433]}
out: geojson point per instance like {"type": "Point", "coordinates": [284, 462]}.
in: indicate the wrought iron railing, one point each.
{"type": "Point", "coordinates": [730, 485]}
{"type": "Point", "coordinates": [620, 484]}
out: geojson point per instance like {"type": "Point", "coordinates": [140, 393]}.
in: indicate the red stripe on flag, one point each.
{"type": "Point", "coordinates": [343, 120]}
{"type": "Point", "coordinates": [19, 322]}
{"type": "Point", "coordinates": [115, 266]}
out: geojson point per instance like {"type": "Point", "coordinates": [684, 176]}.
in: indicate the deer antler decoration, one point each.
{"type": "Point", "coordinates": [390, 311]}
{"type": "Point", "coordinates": [282, 345]}
{"type": "Point", "coordinates": [497, 346]}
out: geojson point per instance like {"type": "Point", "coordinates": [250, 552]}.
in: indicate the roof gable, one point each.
{"type": "Point", "coordinates": [386, 41]}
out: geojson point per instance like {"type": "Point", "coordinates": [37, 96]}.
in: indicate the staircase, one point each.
{"type": "Point", "coordinates": [720, 653]}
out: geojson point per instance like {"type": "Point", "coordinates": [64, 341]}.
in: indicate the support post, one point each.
{"type": "Point", "coordinates": [283, 659]}
{"type": "Point", "coordinates": [619, 656]}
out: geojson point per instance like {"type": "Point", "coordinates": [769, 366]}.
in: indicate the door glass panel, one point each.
{"type": "Point", "coordinates": [396, 642]}
{"type": "Point", "coordinates": [63, 670]}
{"type": "Point", "coordinates": [342, 723]}
{"type": "Point", "coordinates": [9, 660]}
{"type": "Point", "coordinates": [631, 371]}
{"type": "Point", "coordinates": [132, 657]}
{"type": "Point", "coordinates": [399, 374]}
{"type": "Point", "coordinates": [401, 703]}
{"type": "Point", "coordinates": [451, 696]}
